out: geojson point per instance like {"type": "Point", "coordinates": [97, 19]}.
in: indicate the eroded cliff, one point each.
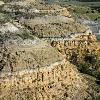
{"type": "Point", "coordinates": [42, 69]}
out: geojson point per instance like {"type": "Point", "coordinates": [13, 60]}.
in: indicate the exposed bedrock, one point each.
{"type": "Point", "coordinates": [33, 70]}
{"type": "Point", "coordinates": [80, 43]}
{"type": "Point", "coordinates": [59, 81]}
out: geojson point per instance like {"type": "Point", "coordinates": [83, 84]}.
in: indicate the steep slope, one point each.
{"type": "Point", "coordinates": [31, 68]}
{"type": "Point", "coordinates": [84, 52]}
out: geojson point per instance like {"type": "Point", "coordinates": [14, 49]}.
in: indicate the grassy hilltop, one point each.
{"type": "Point", "coordinates": [87, 8]}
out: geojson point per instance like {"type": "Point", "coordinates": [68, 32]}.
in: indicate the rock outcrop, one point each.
{"type": "Point", "coordinates": [32, 69]}
{"type": "Point", "coordinates": [82, 42]}
{"type": "Point", "coordinates": [58, 81]}
{"type": "Point", "coordinates": [32, 65]}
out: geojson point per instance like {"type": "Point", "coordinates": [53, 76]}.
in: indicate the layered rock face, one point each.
{"type": "Point", "coordinates": [37, 69]}
{"type": "Point", "coordinates": [27, 54]}
{"type": "Point", "coordinates": [84, 52]}
{"type": "Point", "coordinates": [58, 81]}
{"type": "Point", "coordinates": [33, 70]}
{"type": "Point", "coordinates": [84, 41]}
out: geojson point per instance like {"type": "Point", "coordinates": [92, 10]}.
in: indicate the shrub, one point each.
{"type": "Point", "coordinates": [26, 35]}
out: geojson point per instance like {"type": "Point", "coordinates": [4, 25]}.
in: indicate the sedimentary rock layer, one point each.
{"type": "Point", "coordinates": [58, 81]}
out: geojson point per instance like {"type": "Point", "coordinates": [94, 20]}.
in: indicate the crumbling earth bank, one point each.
{"type": "Point", "coordinates": [60, 81]}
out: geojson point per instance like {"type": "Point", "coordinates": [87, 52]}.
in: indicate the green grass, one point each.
{"type": "Point", "coordinates": [89, 10]}
{"type": "Point", "coordinates": [82, 10]}
{"type": "Point", "coordinates": [94, 16]}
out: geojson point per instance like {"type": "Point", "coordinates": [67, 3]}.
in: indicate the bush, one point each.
{"type": "Point", "coordinates": [89, 65]}
{"type": "Point", "coordinates": [26, 35]}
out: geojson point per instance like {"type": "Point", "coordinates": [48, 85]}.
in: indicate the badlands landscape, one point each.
{"type": "Point", "coordinates": [47, 52]}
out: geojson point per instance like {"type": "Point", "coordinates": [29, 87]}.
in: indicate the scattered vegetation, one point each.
{"type": "Point", "coordinates": [89, 64]}
{"type": "Point", "coordinates": [93, 89]}
{"type": "Point", "coordinates": [87, 12]}
{"type": "Point", "coordinates": [4, 18]}
{"type": "Point", "coordinates": [84, 8]}
{"type": "Point", "coordinates": [25, 35]}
